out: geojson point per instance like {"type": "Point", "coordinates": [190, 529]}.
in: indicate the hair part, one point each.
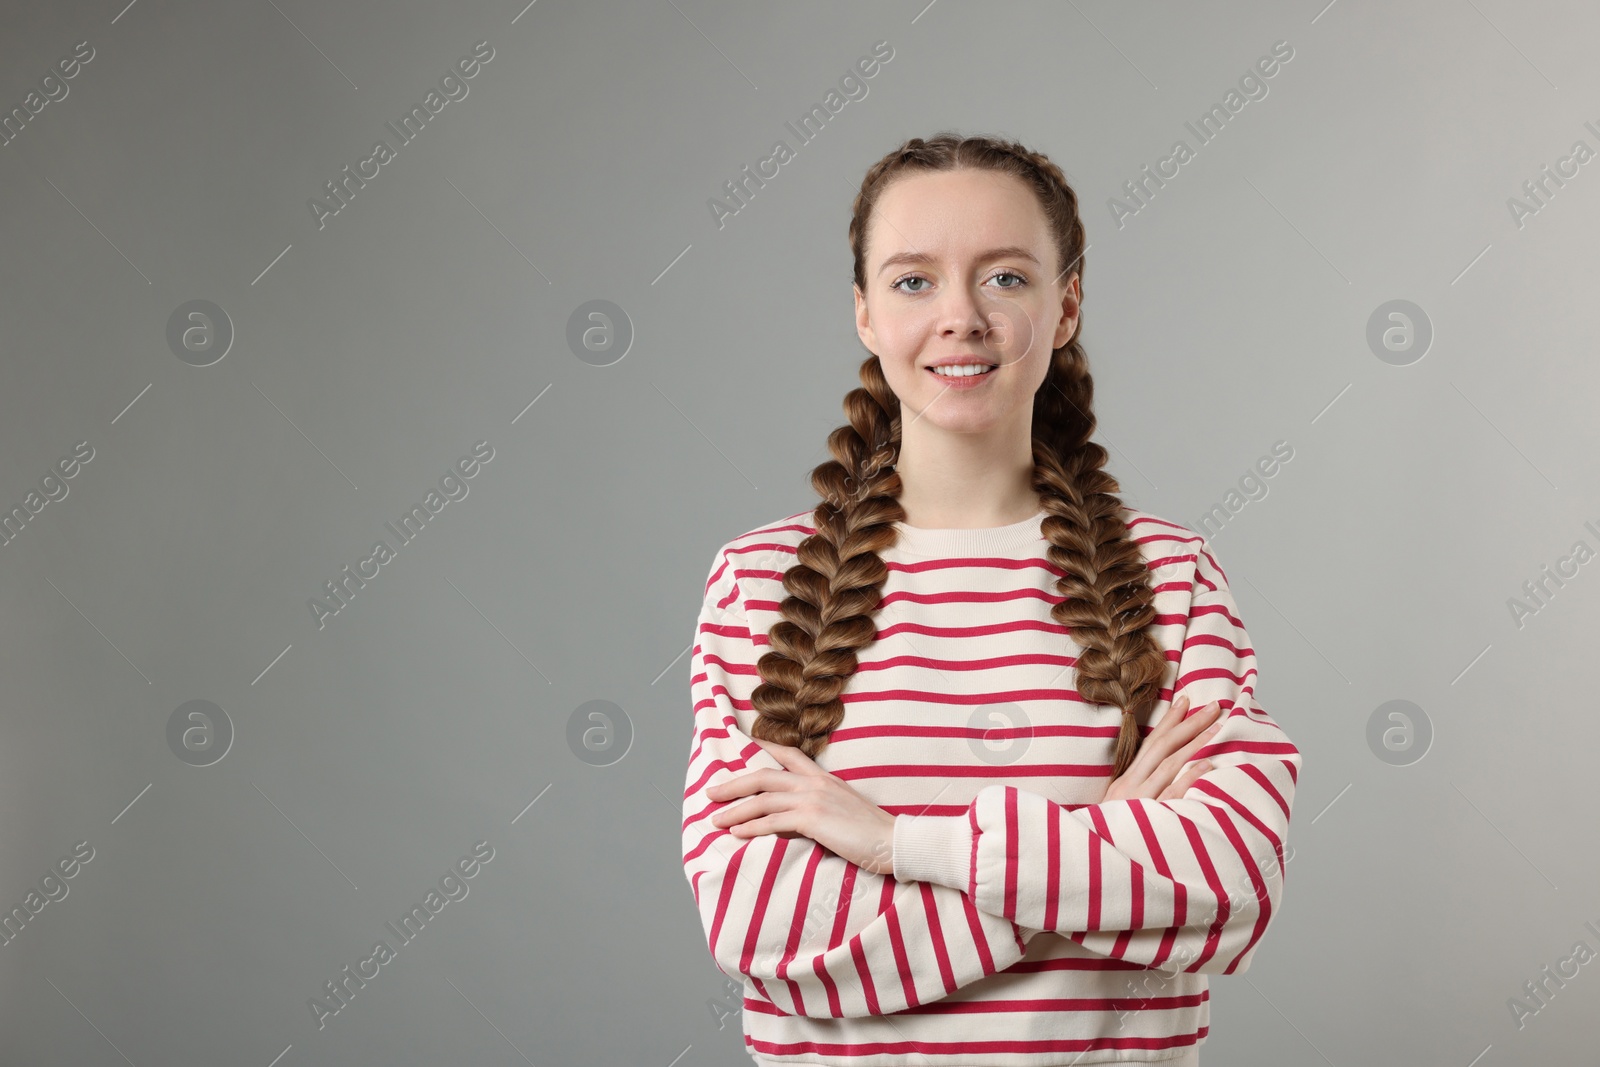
{"type": "Point", "coordinates": [834, 588]}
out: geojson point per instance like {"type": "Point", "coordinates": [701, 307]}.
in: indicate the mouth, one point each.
{"type": "Point", "coordinates": [962, 373]}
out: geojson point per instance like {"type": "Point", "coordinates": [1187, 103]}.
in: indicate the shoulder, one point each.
{"type": "Point", "coordinates": [762, 552]}
{"type": "Point", "coordinates": [1160, 538]}
{"type": "Point", "coordinates": [1171, 550]}
{"type": "Point", "coordinates": [786, 531]}
{"type": "Point", "coordinates": [781, 536]}
{"type": "Point", "coordinates": [1175, 553]}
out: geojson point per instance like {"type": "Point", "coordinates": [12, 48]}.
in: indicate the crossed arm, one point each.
{"type": "Point", "coordinates": [1187, 883]}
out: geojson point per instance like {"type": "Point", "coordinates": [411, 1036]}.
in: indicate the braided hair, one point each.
{"type": "Point", "coordinates": [834, 588]}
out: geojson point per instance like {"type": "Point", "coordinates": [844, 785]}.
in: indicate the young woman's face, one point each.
{"type": "Point", "coordinates": [961, 264]}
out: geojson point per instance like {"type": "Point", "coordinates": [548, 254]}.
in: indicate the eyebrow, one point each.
{"type": "Point", "coordinates": [1007, 252]}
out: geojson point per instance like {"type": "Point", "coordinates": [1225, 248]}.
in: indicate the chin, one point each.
{"type": "Point", "coordinates": [963, 422]}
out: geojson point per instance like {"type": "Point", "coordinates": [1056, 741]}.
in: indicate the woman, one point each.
{"type": "Point", "coordinates": [934, 811]}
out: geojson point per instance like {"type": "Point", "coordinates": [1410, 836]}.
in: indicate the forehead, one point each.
{"type": "Point", "coordinates": [950, 214]}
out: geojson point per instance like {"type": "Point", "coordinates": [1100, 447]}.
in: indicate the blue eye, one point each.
{"type": "Point", "coordinates": [896, 284]}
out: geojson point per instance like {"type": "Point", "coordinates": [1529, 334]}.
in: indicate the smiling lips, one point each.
{"type": "Point", "coordinates": [962, 375]}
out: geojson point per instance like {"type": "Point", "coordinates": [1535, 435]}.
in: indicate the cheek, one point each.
{"type": "Point", "coordinates": [900, 342]}
{"type": "Point", "coordinates": [1043, 333]}
{"type": "Point", "coordinates": [1035, 366]}
{"type": "Point", "coordinates": [1037, 373]}
{"type": "Point", "coordinates": [902, 336]}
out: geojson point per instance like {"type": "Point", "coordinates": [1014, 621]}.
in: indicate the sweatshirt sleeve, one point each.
{"type": "Point", "coordinates": [1187, 884]}
{"type": "Point", "coordinates": [809, 932]}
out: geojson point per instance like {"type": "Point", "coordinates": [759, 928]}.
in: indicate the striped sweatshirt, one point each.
{"type": "Point", "coordinates": [1027, 921]}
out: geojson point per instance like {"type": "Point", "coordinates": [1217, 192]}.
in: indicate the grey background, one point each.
{"type": "Point", "coordinates": [368, 756]}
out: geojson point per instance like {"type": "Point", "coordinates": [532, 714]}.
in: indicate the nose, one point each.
{"type": "Point", "coordinates": [961, 316]}
{"type": "Point", "coordinates": [987, 320]}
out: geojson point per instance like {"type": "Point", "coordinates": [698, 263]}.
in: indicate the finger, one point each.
{"type": "Point", "coordinates": [730, 787]}
{"type": "Point", "coordinates": [741, 785]}
{"type": "Point", "coordinates": [1159, 745]}
{"type": "Point", "coordinates": [1184, 730]}
{"type": "Point", "coordinates": [1193, 722]}
{"type": "Point", "coordinates": [1167, 770]}
{"type": "Point", "coordinates": [1164, 773]}
{"type": "Point", "coordinates": [793, 759]}
{"type": "Point", "coordinates": [1176, 727]}
{"type": "Point", "coordinates": [756, 806]}
{"type": "Point", "coordinates": [1204, 738]}
{"type": "Point", "coordinates": [1175, 713]}
{"type": "Point", "coordinates": [1189, 776]}
{"type": "Point", "coordinates": [768, 824]}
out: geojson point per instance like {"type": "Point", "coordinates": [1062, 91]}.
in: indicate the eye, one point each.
{"type": "Point", "coordinates": [896, 284]}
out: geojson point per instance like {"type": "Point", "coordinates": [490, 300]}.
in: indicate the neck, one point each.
{"type": "Point", "coordinates": [966, 481]}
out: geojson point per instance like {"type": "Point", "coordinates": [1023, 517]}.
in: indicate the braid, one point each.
{"type": "Point", "coordinates": [835, 586]}
{"type": "Point", "coordinates": [1106, 583]}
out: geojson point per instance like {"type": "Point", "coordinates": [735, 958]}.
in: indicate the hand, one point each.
{"type": "Point", "coordinates": [810, 802]}
{"type": "Point", "coordinates": [1154, 771]}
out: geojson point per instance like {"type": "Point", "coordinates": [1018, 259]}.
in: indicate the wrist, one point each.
{"type": "Point", "coordinates": [933, 848]}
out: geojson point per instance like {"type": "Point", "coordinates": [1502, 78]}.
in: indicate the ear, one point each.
{"type": "Point", "coordinates": [1070, 303]}
{"type": "Point", "coordinates": [864, 330]}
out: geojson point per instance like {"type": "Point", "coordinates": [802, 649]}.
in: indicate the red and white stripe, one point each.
{"type": "Point", "coordinates": [1025, 918]}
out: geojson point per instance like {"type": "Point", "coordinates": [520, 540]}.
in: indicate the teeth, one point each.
{"type": "Point", "coordinates": [962, 371]}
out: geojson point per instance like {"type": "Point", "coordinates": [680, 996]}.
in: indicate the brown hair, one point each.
{"type": "Point", "coordinates": [834, 587]}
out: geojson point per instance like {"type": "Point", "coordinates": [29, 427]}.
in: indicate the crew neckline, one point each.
{"type": "Point", "coordinates": [934, 542]}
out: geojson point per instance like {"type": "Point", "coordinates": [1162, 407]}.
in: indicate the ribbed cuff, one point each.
{"type": "Point", "coordinates": [933, 848]}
